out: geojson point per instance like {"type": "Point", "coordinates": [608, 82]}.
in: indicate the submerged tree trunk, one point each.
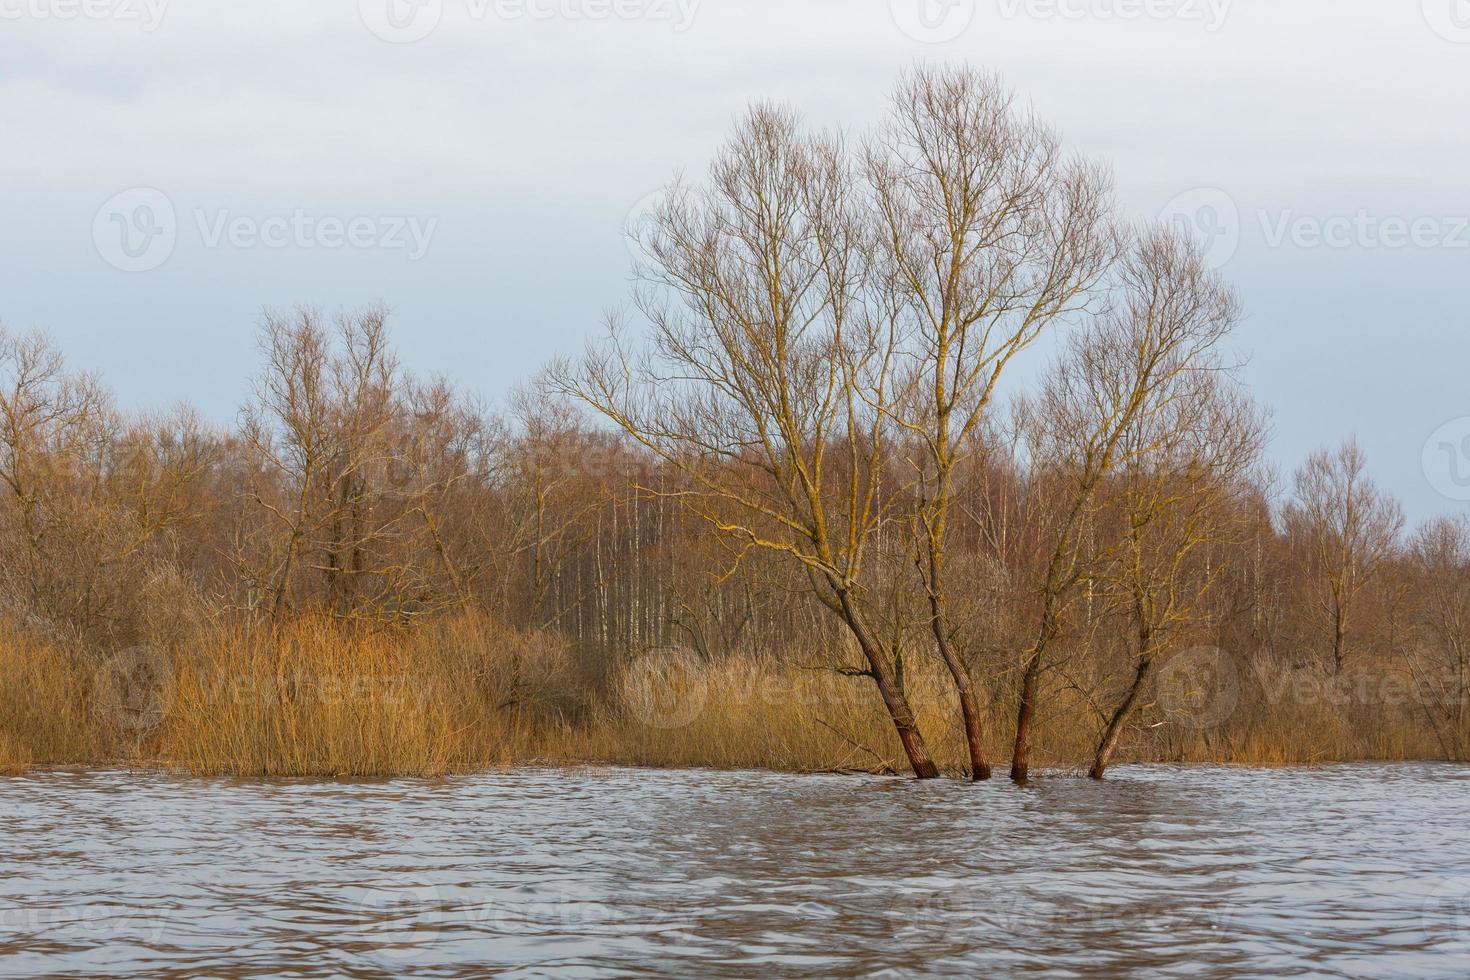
{"type": "Point", "coordinates": [894, 699]}
{"type": "Point", "coordinates": [939, 625]}
{"type": "Point", "coordinates": [1020, 752]}
{"type": "Point", "coordinates": [964, 687]}
{"type": "Point", "coordinates": [1030, 680]}
{"type": "Point", "coordinates": [1108, 744]}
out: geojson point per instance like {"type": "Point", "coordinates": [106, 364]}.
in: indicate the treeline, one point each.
{"type": "Point", "coordinates": [790, 451]}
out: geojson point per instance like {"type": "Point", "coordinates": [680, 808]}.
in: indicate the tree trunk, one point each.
{"type": "Point", "coordinates": [1339, 632]}
{"type": "Point", "coordinates": [1109, 742]}
{"type": "Point", "coordinates": [1026, 712]}
{"type": "Point", "coordinates": [1020, 752]}
{"type": "Point", "coordinates": [1462, 706]}
{"type": "Point", "coordinates": [979, 766]}
{"type": "Point", "coordinates": [894, 698]}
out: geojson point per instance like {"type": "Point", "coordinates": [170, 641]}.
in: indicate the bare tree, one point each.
{"type": "Point", "coordinates": [768, 383]}
{"type": "Point", "coordinates": [86, 491]}
{"type": "Point", "coordinates": [1342, 529]}
{"type": "Point", "coordinates": [441, 465]}
{"type": "Point", "coordinates": [1171, 315]}
{"type": "Point", "coordinates": [1177, 501]}
{"type": "Point", "coordinates": [50, 424]}
{"type": "Point", "coordinates": [321, 424]}
{"type": "Point", "coordinates": [988, 236]}
{"type": "Point", "coordinates": [1439, 563]}
{"type": "Point", "coordinates": [552, 513]}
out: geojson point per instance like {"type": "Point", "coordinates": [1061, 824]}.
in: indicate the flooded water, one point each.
{"type": "Point", "coordinates": [1348, 871]}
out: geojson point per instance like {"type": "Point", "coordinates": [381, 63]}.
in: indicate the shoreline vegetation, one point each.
{"type": "Point", "coordinates": [797, 509]}
{"type": "Point", "coordinates": [316, 698]}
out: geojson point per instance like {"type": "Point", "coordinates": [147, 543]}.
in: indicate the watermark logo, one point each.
{"type": "Point", "coordinates": [288, 688]}
{"type": "Point", "coordinates": [1210, 218]}
{"type": "Point", "coordinates": [402, 920]}
{"type": "Point", "coordinates": [932, 21]}
{"type": "Point", "coordinates": [638, 224]}
{"type": "Point", "coordinates": [1446, 459]}
{"type": "Point", "coordinates": [147, 14]}
{"type": "Point", "coordinates": [1364, 229]}
{"type": "Point", "coordinates": [1199, 687]}
{"type": "Point", "coordinates": [91, 926]}
{"type": "Point", "coordinates": [129, 689]}
{"type": "Point", "coordinates": [665, 689]}
{"type": "Point", "coordinates": [401, 21]}
{"type": "Point", "coordinates": [407, 21]}
{"type": "Point", "coordinates": [1446, 912]}
{"type": "Point", "coordinates": [136, 230]}
{"type": "Point", "coordinates": [1450, 19]}
{"type": "Point", "coordinates": [1211, 14]}
{"type": "Point", "coordinates": [933, 916]}
{"type": "Point", "coordinates": [302, 229]}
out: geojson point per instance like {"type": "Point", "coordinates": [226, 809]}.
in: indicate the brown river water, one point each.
{"type": "Point", "coordinates": [1340, 871]}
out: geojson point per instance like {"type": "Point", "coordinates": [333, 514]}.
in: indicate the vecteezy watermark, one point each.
{"type": "Point", "coordinates": [401, 21]}
{"type": "Point", "coordinates": [1450, 19]}
{"type": "Point", "coordinates": [302, 229]}
{"type": "Point", "coordinates": [1210, 217]}
{"type": "Point", "coordinates": [92, 925]}
{"type": "Point", "coordinates": [400, 920]}
{"type": "Point", "coordinates": [1446, 912]}
{"type": "Point", "coordinates": [1300, 688]}
{"type": "Point", "coordinates": [1363, 229]}
{"type": "Point", "coordinates": [665, 688]}
{"type": "Point", "coordinates": [407, 21]}
{"type": "Point", "coordinates": [932, 21]}
{"type": "Point", "coordinates": [330, 690]}
{"type": "Point", "coordinates": [1199, 687]}
{"type": "Point", "coordinates": [1213, 219]}
{"type": "Point", "coordinates": [638, 224]}
{"type": "Point", "coordinates": [1447, 459]}
{"type": "Point", "coordinates": [129, 689]}
{"type": "Point", "coordinates": [1211, 14]}
{"type": "Point", "coordinates": [147, 14]}
{"type": "Point", "coordinates": [976, 911]}
{"type": "Point", "coordinates": [138, 230]}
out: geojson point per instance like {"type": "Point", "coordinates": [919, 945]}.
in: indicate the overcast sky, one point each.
{"type": "Point", "coordinates": [171, 167]}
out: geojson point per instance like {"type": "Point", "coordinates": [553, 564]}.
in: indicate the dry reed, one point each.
{"type": "Point", "coordinates": [315, 698]}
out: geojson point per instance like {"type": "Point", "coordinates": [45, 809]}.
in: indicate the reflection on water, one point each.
{"type": "Point", "coordinates": [1351, 871]}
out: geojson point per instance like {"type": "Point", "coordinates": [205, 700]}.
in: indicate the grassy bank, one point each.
{"type": "Point", "coordinates": [312, 698]}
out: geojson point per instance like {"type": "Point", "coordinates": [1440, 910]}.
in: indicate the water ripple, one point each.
{"type": "Point", "coordinates": [1342, 871]}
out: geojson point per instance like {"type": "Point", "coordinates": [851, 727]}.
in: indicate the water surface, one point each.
{"type": "Point", "coordinates": [1342, 871]}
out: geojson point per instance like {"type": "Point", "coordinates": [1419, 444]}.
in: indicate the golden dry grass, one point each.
{"type": "Point", "coordinates": [45, 698]}
{"type": "Point", "coordinates": [1296, 716]}
{"type": "Point", "coordinates": [670, 709]}
{"type": "Point", "coordinates": [314, 698]}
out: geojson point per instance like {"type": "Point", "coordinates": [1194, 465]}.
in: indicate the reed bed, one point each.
{"type": "Point", "coordinates": [312, 698]}
{"type": "Point", "coordinates": [316, 698]}
{"type": "Point", "coordinates": [46, 696]}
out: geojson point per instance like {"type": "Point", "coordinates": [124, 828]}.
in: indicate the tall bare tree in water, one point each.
{"type": "Point", "coordinates": [1170, 317]}
{"type": "Point", "coordinates": [988, 235]}
{"type": "Point", "coordinates": [1179, 499]}
{"type": "Point", "coordinates": [768, 384]}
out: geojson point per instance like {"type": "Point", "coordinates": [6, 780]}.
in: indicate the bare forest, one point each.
{"type": "Point", "coordinates": [907, 452]}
